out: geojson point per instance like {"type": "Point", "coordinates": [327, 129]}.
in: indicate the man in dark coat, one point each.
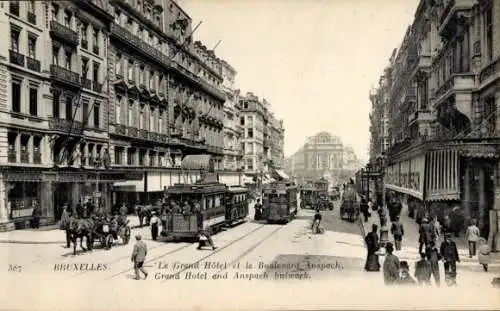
{"type": "Point", "coordinates": [398, 232]}
{"type": "Point", "coordinates": [64, 224]}
{"type": "Point", "coordinates": [372, 246]}
{"type": "Point", "coordinates": [450, 257]}
{"type": "Point", "coordinates": [423, 270]}
{"type": "Point", "coordinates": [427, 235]}
{"type": "Point", "coordinates": [391, 266]}
{"type": "Point", "coordinates": [363, 206]}
{"type": "Point", "coordinates": [434, 257]}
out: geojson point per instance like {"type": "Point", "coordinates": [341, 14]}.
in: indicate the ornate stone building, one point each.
{"type": "Point", "coordinates": [443, 98]}
{"type": "Point", "coordinates": [233, 131]}
{"type": "Point", "coordinates": [322, 155]}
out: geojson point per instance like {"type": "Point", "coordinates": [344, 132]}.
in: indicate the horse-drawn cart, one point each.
{"type": "Point", "coordinates": [108, 231]}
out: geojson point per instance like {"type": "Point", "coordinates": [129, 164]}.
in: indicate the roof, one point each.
{"type": "Point", "coordinates": [237, 189]}
{"type": "Point", "coordinates": [196, 188]}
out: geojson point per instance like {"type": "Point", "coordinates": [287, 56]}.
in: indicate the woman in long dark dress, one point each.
{"type": "Point", "coordinates": [372, 246]}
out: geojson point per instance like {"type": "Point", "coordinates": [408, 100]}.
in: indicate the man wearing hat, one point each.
{"type": "Point", "coordinates": [391, 266]}
{"type": "Point", "coordinates": [450, 257]}
{"type": "Point", "coordinates": [406, 278]}
{"type": "Point", "coordinates": [139, 256]}
{"type": "Point", "coordinates": [154, 225]}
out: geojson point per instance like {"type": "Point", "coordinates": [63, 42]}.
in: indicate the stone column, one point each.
{"type": "Point", "coordinates": [4, 212]}
{"type": "Point", "coordinates": [467, 190]}
{"type": "Point", "coordinates": [482, 199]}
{"type": "Point", "coordinates": [47, 199]}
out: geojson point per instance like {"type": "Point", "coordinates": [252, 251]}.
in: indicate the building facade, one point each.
{"type": "Point", "coordinates": [443, 116]}
{"type": "Point", "coordinates": [263, 136]}
{"type": "Point", "coordinates": [55, 109]}
{"type": "Point", "coordinates": [233, 131]}
{"type": "Point", "coordinates": [100, 101]}
{"type": "Point", "coordinates": [166, 99]}
{"type": "Point", "coordinates": [323, 155]}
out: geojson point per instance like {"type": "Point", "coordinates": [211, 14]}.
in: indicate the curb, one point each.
{"type": "Point", "coordinates": [30, 242]}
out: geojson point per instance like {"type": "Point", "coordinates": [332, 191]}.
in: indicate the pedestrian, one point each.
{"type": "Point", "coordinates": [123, 210]}
{"type": "Point", "coordinates": [420, 214]}
{"type": "Point", "coordinates": [383, 217]}
{"type": "Point", "coordinates": [203, 234]}
{"type": "Point", "coordinates": [64, 224]}
{"type": "Point", "coordinates": [397, 231]}
{"type": "Point", "coordinates": [364, 207]}
{"type": "Point", "coordinates": [258, 210]}
{"type": "Point", "coordinates": [449, 252]}
{"type": "Point", "coordinates": [154, 226]}
{"type": "Point", "coordinates": [316, 222]}
{"type": "Point", "coordinates": [446, 224]}
{"type": "Point", "coordinates": [372, 246]}
{"type": "Point", "coordinates": [36, 214]}
{"type": "Point", "coordinates": [139, 256]}
{"type": "Point", "coordinates": [406, 278]}
{"type": "Point", "coordinates": [473, 236]}
{"type": "Point", "coordinates": [483, 253]}
{"type": "Point", "coordinates": [423, 270]}
{"type": "Point", "coordinates": [434, 257]}
{"type": "Point", "coordinates": [436, 227]}
{"type": "Point", "coordinates": [426, 234]}
{"type": "Point", "coordinates": [391, 266]}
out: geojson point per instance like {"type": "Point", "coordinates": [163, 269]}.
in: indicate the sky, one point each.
{"type": "Point", "coordinates": [315, 61]}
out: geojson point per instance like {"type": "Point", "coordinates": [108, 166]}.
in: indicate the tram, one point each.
{"type": "Point", "coordinates": [179, 217]}
{"type": "Point", "coordinates": [308, 196]}
{"type": "Point", "coordinates": [237, 202]}
{"type": "Point", "coordinates": [280, 201]}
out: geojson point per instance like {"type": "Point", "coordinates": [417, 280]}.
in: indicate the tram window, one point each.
{"type": "Point", "coordinates": [216, 201]}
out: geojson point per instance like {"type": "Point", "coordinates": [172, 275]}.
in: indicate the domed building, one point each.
{"type": "Point", "coordinates": [322, 155]}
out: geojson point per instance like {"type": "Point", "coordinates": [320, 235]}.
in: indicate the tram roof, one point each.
{"type": "Point", "coordinates": [237, 189]}
{"type": "Point", "coordinates": [201, 188]}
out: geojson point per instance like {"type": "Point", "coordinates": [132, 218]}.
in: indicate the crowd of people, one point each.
{"type": "Point", "coordinates": [431, 232]}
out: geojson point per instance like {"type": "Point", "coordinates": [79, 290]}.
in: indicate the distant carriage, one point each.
{"type": "Point", "coordinates": [280, 201]}
{"type": "Point", "coordinates": [349, 208]}
{"type": "Point", "coordinates": [308, 196]}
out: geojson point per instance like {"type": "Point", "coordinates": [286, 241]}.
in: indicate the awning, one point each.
{"type": "Point", "coordinates": [280, 175]}
{"type": "Point", "coordinates": [198, 162]}
{"type": "Point", "coordinates": [129, 186]}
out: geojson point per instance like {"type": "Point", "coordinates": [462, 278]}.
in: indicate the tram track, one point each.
{"type": "Point", "coordinates": [160, 256]}
{"type": "Point", "coordinates": [246, 252]}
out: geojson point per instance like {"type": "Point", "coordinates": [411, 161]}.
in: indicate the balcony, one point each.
{"type": "Point", "coordinates": [140, 46]}
{"type": "Point", "coordinates": [62, 125]}
{"type": "Point", "coordinates": [37, 157]}
{"type": "Point", "coordinates": [97, 87]}
{"type": "Point", "coordinates": [132, 131]}
{"type": "Point", "coordinates": [16, 58]}
{"type": "Point", "coordinates": [449, 15]}
{"type": "Point", "coordinates": [143, 134]}
{"type": "Point", "coordinates": [33, 64]}
{"type": "Point", "coordinates": [457, 82]}
{"type": "Point", "coordinates": [64, 33]}
{"type": "Point", "coordinates": [31, 18]}
{"type": "Point", "coordinates": [120, 129]}
{"type": "Point", "coordinates": [490, 72]}
{"type": "Point", "coordinates": [65, 76]}
{"type": "Point", "coordinates": [86, 83]}
{"type": "Point", "coordinates": [419, 116]}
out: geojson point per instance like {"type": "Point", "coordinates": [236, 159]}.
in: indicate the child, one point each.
{"type": "Point", "coordinates": [423, 270]}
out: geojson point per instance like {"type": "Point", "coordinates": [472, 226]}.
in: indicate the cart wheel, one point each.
{"type": "Point", "coordinates": [108, 242]}
{"type": "Point", "coordinates": [126, 235]}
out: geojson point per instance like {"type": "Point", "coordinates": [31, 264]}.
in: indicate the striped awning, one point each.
{"type": "Point", "coordinates": [198, 162]}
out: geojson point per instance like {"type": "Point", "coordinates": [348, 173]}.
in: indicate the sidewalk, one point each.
{"type": "Point", "coordinates": [44, 235]}
{"type": "Point", "coordinates": [409, 249]}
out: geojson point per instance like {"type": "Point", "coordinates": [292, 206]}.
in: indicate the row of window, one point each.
{"type": "Point", "coordinates": [24, 148]}
{"type": "Point", "coordinates": [63, 56]}
{"type": "Point", "coordinates": [16, 44]}
{"type": "Point", "coordinates": [19, 103]}
{"type": "Point", "coordinates": [30, 6]}
{"type": "Point", "coordinates": [154, 41]}
{"type": "Point", "coordinates": [137, 157]}
{"type": "Point", "coordinates": [156, 116]}
{"type": "Point", "coordinates": [69, 110]}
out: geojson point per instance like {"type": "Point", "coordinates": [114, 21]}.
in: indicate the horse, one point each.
{"type": "Point", "coordinates": [80, 228]}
